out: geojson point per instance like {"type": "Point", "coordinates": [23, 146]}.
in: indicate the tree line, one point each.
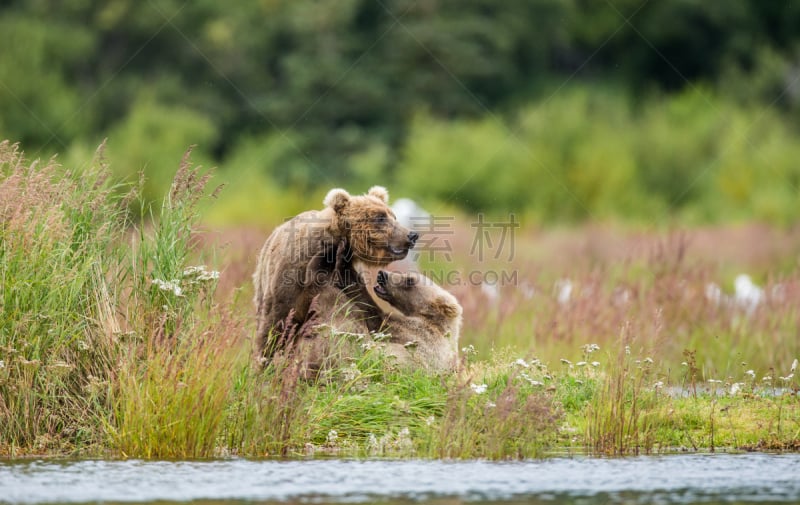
{"type": "Point", "coordinates": [340, 82]}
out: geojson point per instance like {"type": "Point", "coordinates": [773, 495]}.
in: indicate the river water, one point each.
{"type": "Point", "coordinates": [722, 478]}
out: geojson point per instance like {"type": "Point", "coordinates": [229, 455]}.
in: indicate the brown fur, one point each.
{"type": "Point", "coordinates": [334, 312]}
{"type": "Point", "coordinates": [426, 327]}
{"type": "Point", "coordinates": [337, 326]}
{"type": "Point", "coordinates": [284, 283]}
{"type": "Point", "coordinates": [423, 326]}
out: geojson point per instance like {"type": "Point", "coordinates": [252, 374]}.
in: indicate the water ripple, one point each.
{"type": "Point", "coordinates": [647, 479]}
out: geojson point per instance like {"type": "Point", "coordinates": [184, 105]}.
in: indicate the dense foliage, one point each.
{"type": "Point", "coordinates": [307, 94]}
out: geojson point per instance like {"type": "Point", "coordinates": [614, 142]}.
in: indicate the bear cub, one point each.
{"type": "Point", "coordinates": [421, 330]}
{"type": "Point", "coordinates": [425, 332]}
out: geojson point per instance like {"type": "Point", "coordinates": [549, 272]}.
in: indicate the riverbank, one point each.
{"type": "Point", "coordinates": [186, 404]}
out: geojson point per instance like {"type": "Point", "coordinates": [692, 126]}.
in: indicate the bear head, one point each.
{"type": "Point", "coordinates": [414, 294]}
{"type": "Point", "coordinates": [374, 235]}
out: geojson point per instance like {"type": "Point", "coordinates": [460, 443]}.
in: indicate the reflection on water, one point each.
{"type": "Point", "coordinates": [746, 478]}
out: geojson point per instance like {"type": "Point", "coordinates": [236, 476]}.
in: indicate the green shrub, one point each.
{"type": "Point", "coordinates": [146, 140]}
{"type": "Point", "coordinates": [590, 155]}
{"type": "Point", "coordinates": [40, 103]}
{"type": "Point", "coordinates": [266, 181]}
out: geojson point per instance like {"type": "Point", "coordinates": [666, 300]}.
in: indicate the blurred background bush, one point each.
{"type": "Point", "coordinates": [560, 110]}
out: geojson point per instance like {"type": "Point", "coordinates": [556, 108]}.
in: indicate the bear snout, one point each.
{"type": "Point", "coordinates": [383, 278]}
{"type": "Point", "coordinates": [413, 237]}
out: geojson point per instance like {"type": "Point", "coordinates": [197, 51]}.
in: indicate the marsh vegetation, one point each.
{"type": "Point", "coordinates": [129, 338]}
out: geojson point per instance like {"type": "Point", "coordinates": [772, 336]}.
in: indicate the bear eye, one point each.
{"type": "Point", "coordinates": [410, 282]}
{"type": "Point", "coordinates": [380, 218]}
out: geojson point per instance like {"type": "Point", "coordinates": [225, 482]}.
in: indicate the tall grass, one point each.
{"type": "Point", "coordinates": [512, 420]}
{"type": "Point", "coordinates": [116, 339]}
{"type": "Point", "coordinates": [58, 262]}
{"type": "Point", "coordinates": [567, 289]}
{"type": "Point", "coordinates": [108, 339]}
{"type": "Point", "coordinates": [616, 424]}
{"type": "Point", "coordinates": [174, 383]}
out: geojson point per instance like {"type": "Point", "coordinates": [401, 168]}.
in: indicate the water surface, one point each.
{"type": "Point", "coordinates": [745, 478]}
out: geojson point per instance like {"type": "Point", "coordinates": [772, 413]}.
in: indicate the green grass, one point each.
{"type": "Point", "coordinates": [113, 343]}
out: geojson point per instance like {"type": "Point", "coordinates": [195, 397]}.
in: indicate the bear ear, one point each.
{"type": "Point", "coordinates": [380, 193]}
{"type": "Point", "coordinates": [337, 199]}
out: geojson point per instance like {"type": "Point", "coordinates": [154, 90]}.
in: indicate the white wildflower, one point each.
{"type": "Point", "coordinates": [201, 274]}
{"type": "Point", "coordinates": [333, 436]}
{"type": "Point", "coordinates": [787, 378]}
{"type": "Point", "coordinates": [794, 365]}
{"type": "Point", "coordinates": [735, 388]}
{"type": "Point", "coordinates": [714, 293]}
{"type": "Point", "coordinates": [595, 364]}
{"type": "Point", "coordinates": [658, 385]}
{"type": "Point", "coordinates": [767, 378]}
{"type": "Point", "coordinates": [714, 381]}
{"type": "Point", "coordinates": [430, 420]}
{"type": "Point", "coordinates": [491, 291]}
{"type": "Point", "coordinates": [351, 373]}
{"type": "Point", "coordinates": [479, 388]}
{"type": "Point", "coordinates": [628, 350]}
{"type": "Point", "coordinates": [590, 348]}
{"type": "Point", "coordinates": [566, 361]}
{"type": "Point", "coordinates": [683, 363]}
{"type": "Point", "coordinates": [563, 289]}
{"type": "Point", "coordinates": [60, 365]}
{"type": "Point", "coordinates": [751, 374]}
{"type": "Point", "coordinates": [521, 362]}
{"type": "Point", "coordinates": [2, 364]}
{"type": "Point", "coordinates": [173, 286]}
{"type": "Point", "coordinates": [747, 296]}
{"type": "Point", "coordinates": [581, 363]}
{"type": "Point", "coordinates": [649, 361]}
{"type": "Point", "coordinates": [491, 404]}
{"type": "Point", "coordinates": [470, 349]}
{"type": "Point", "coordinates": [532, 382]}
{"type": "Point", "coordinates": [403, 441]}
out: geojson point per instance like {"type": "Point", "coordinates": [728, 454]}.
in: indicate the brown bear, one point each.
{"type": "Point", "coordinates": [284, 288]}
{"type": "Point", "coordinates": [425, 332]}
{"type": "Point", "coordinates": [420, 331]}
